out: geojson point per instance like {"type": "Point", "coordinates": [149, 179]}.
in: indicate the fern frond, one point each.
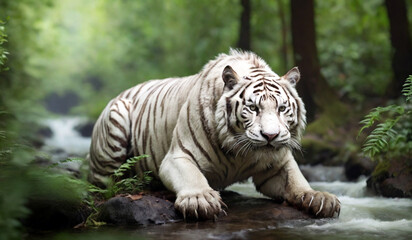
{"type": "Point", "coordinates": [377, 142]}
{"type": "Point", "coordinates": [376, 115]}
{"type": "Point", "coordinates": [127, 165]}
{"type": "Point", "coordinates": [407, 88]}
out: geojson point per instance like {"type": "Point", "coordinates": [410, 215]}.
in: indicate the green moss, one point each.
{"type": "Point", "coordinates": [317, 145]}
{"type": "Point", "coordinates": [334, 115]}
{"type": "Point", "coordinates": [381, 169]}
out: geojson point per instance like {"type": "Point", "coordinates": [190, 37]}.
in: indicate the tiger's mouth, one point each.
{"type": "Point", "coordinates": [270, 145]}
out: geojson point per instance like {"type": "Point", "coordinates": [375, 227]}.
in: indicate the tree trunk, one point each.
{"type": "Point", "coordinates": [284, 28]}
{"type": "Point", "coordinates": [313, 88]}
{"type": "Point", "coordinates": [244, 31]}
{"type": "Point", "coordinates": [401, 44]}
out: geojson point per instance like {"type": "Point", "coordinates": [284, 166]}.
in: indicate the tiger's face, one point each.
{"type": "Point", "coordinates": [263, 111]}
{"type": "Point", "coordinates": [267, 114]}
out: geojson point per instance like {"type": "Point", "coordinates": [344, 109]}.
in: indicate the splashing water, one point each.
{"type": "Point", "coordinates": [361, 216]}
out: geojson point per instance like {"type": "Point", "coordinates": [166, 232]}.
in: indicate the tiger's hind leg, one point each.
{"type": "Point", "coordinates": [110, 141]}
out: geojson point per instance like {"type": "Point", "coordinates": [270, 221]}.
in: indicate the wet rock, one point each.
{"type": "Point", "coordinates": [61, 103]}
{"type": "Point", "coordinates": [392, 178]}
{"type": "Point", "coordinates": [146, 210]}
{"type": "Point", "coordinates": [249, 209]}
{"type": "Point", "coordinates": [45, 132]}
{"type": "Point", "coordinates": [85, 129]}
{"type": "Point", "coordinates": [38, 139]}
{"type": "Point", "coordinates": [357, 166]}
{"type": "Point", "coordinates": [317, 151]}
{"type": "Point", "coordinates": [143, 210]}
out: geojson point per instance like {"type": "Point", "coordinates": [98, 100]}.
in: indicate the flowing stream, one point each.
{"type": "Point", "coordinates": [363, 216]}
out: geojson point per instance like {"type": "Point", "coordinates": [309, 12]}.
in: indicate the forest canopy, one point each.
{"type": "Point", "coordinates": [99, 48]}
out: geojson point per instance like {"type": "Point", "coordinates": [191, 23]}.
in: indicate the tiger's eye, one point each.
{"type": "Point", "coordinates": [253, 107]}
{"type": "Point", "coordinates": [282, 108]}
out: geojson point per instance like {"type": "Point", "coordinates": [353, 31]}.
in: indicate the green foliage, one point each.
{"type": "Point", "coordinates": [407, 89]}
{"type": "Point", "coordinates": [356, 56]}
{"type": "Point", "coordinates": [21, 182]}
{"type": "Point", "coordinates": [117, 183]}
{"type": "Point", "coordinates": [3, 52]}
{"type": "Point", "coordinates": [98, 48]}
{"type": "Point", "coordinates": [392, 133]}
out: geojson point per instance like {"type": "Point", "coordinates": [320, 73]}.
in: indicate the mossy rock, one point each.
{"type": "Point", "coordinates": [329, 140]}
{"type": "Point", "coordinates": [317, 151]}
{"type": "Point", "coordinates": [392, 178]}
{"type": "Point", "coordinates": [357, 165]}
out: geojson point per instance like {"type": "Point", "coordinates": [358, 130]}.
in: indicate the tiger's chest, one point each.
{"type": "Point", "coordinates": [240, 168]}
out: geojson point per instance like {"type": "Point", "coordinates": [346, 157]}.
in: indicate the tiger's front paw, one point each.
{"type": "Point", "coordinates": [205, 204]}
{"type": "Point", "coordinates": [320, 204]}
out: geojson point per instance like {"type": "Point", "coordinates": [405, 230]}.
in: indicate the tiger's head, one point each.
{"type": "Point", "coordinates": [260, 110]}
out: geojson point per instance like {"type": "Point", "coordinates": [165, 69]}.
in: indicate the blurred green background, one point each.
{"type": "Point", "coordinates": [99, 48]}
{"type": "Point", "coordinates": [80, 54]}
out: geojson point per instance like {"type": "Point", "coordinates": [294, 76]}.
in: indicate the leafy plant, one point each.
{"type": "Point", "coordinates": [118, 184]}
{"type": "Point", "coordinates": [392, 134]}
{"type": "Point", "coordinates": [407, 89]}
{"type": "Point", "coordinates": [3, 52]}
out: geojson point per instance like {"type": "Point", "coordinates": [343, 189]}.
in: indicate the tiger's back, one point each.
{"type": "Point", "coordinates": [139, 121]}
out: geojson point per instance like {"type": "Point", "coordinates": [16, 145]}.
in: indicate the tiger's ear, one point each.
{"type": "Point", "coordinates": [293, 76]}
{"type": "Point", "coordinates": [230, 77]}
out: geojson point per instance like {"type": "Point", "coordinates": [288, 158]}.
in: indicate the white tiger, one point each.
{"type": "Point", "coordinates": [233, 120]}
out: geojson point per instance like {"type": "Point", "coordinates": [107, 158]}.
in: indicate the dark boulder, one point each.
{"type": "Point", "coordinates": [249, 209]}
{"type": "Point", "coordinates": [38, 139]}
{"type": "Point", "coordinates": [44, 132]}
{"type": "Point", "coordinates": [61, 103]}
{"type": "Point", "coordinates": [317, 151]}
{"type": "Point", "coordinates": [357, 166]}
{"type": "Point", "coordinates": [85, 129]}
{"type": "Point", "coordinates": [141, 210]}
{"type": "Point", "coordinates": [242, 210]}
{"type": "Point", "coordinates": [392, 178]}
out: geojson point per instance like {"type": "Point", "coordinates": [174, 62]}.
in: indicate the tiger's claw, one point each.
{"type": "Point", "coordinates": [200, 205]}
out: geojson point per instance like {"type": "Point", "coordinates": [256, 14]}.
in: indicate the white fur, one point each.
{"type": "Point", "coordinates": [198, 143]}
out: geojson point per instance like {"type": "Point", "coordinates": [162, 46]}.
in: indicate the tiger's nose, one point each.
{"type": "Point", "coordinates": [269, 136]}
